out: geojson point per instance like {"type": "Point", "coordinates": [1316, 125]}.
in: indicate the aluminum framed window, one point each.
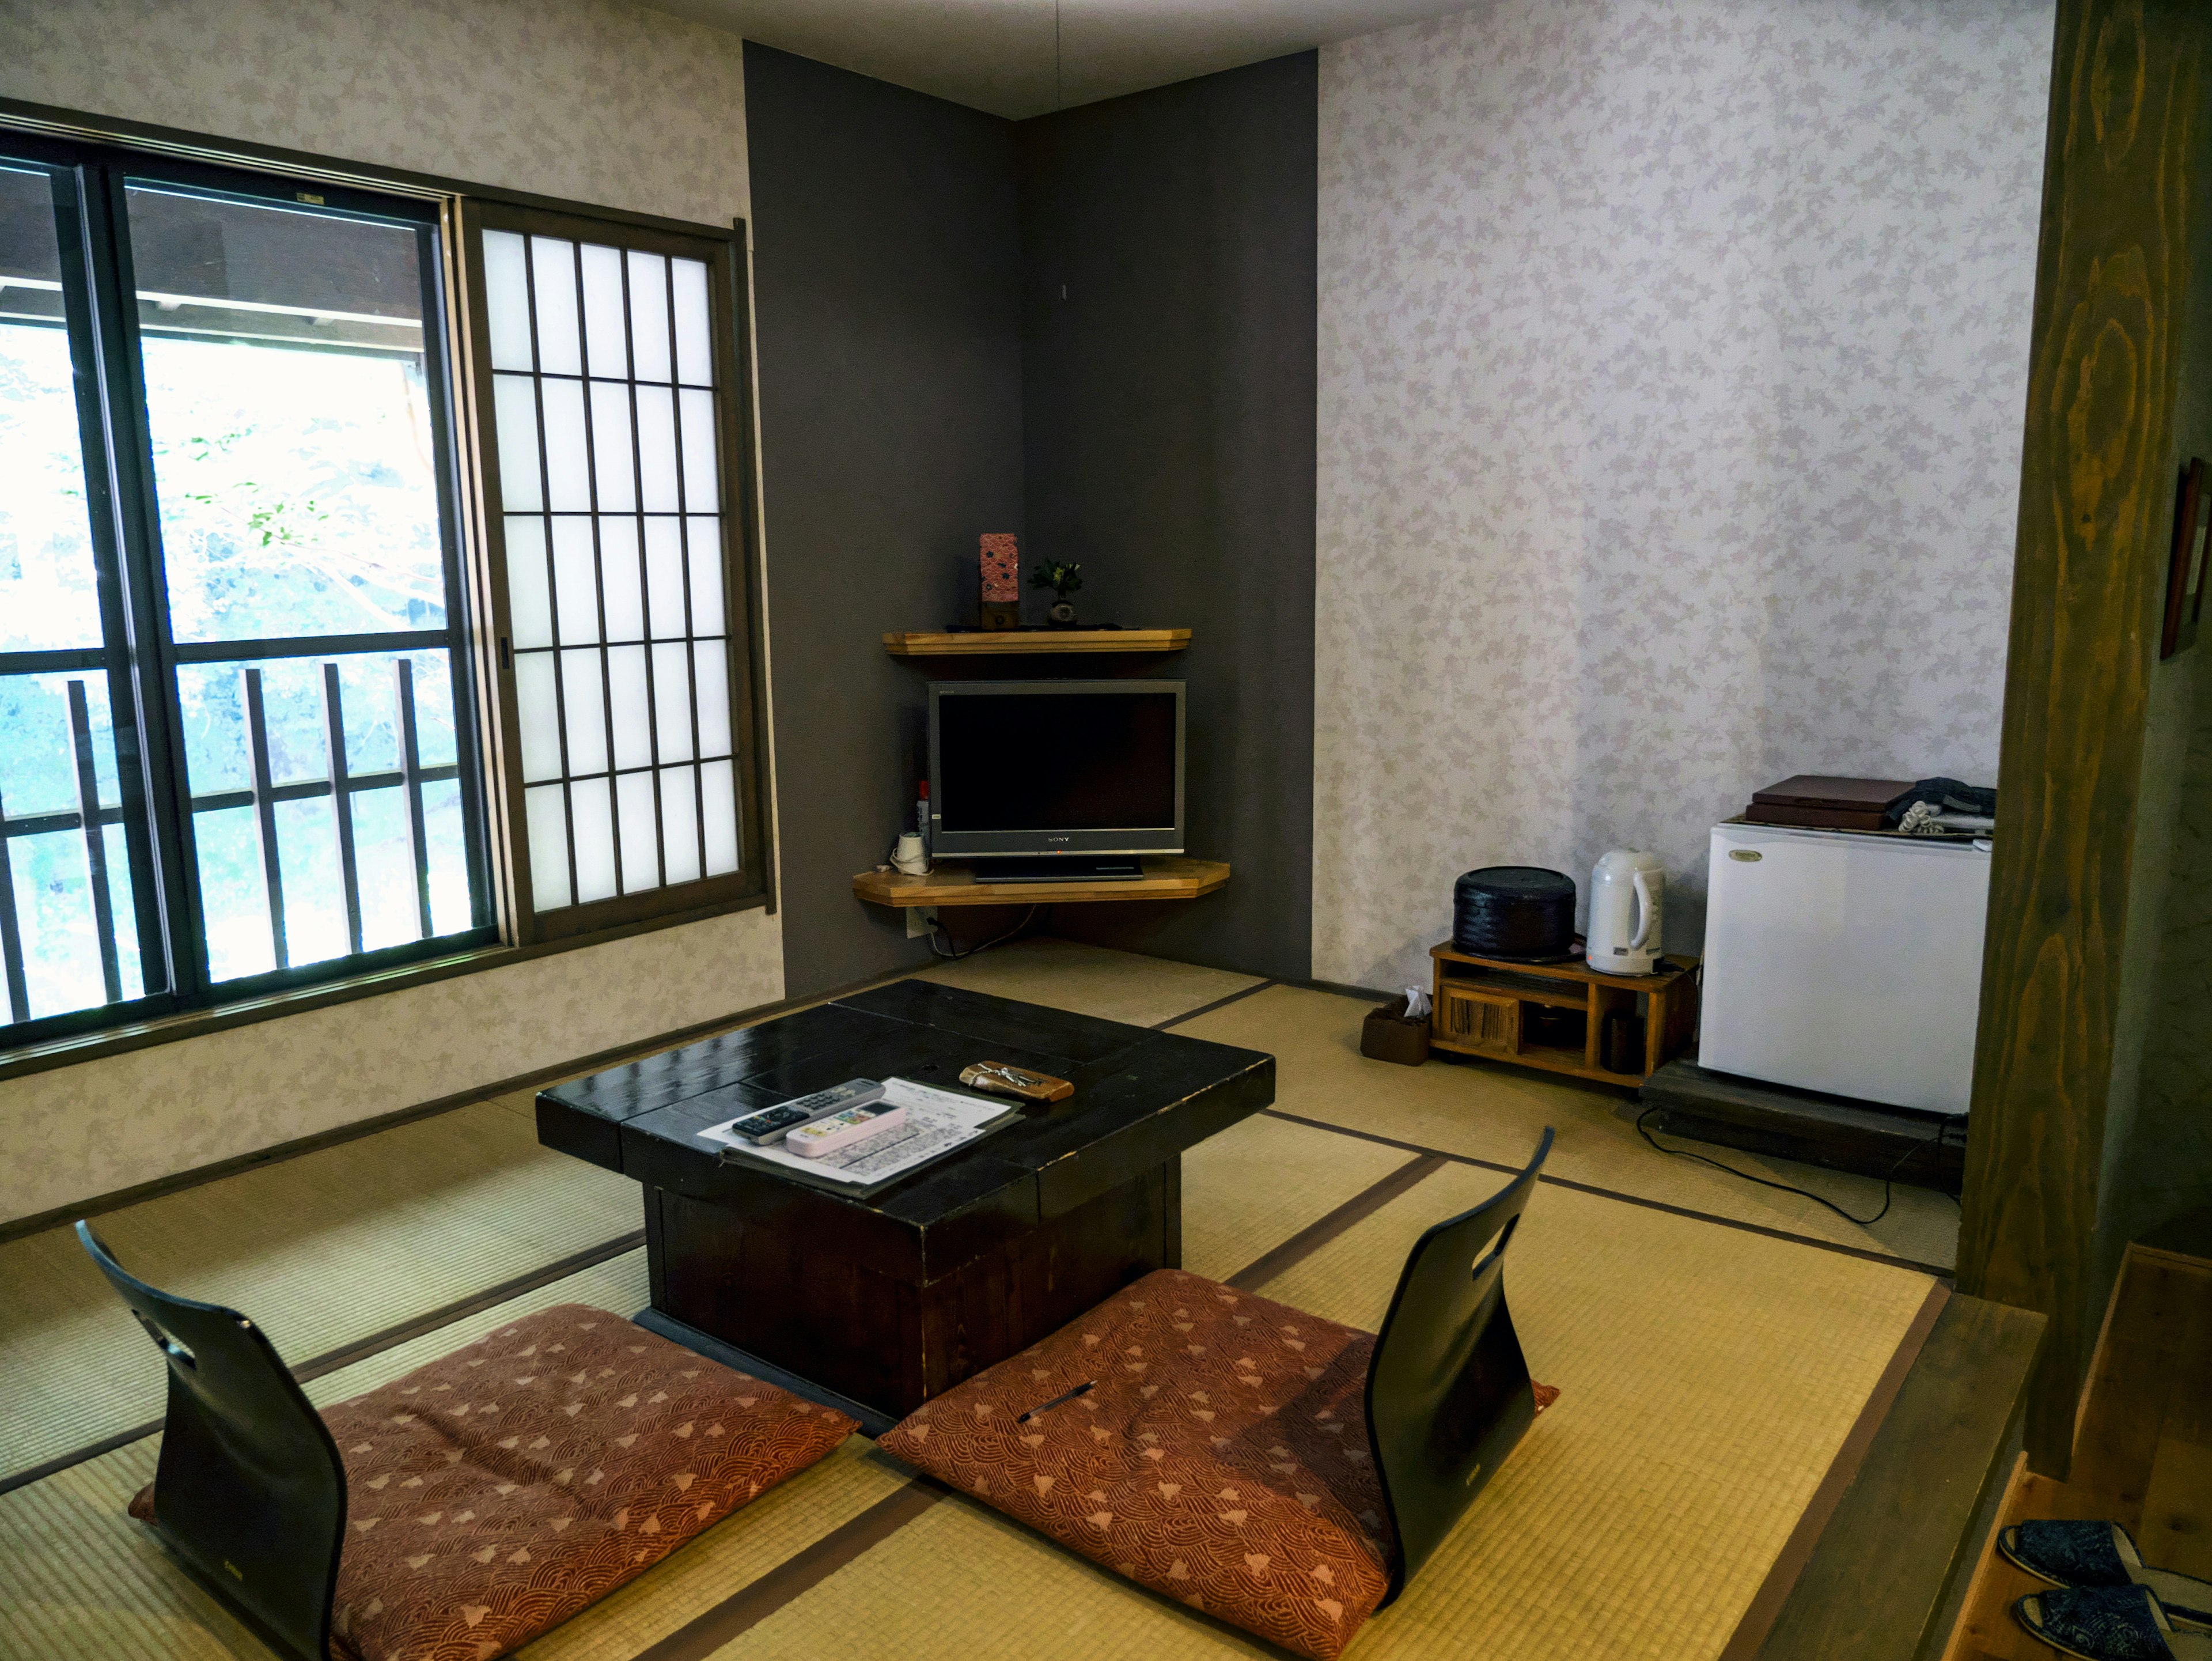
{"type": "Point", "coordinates": [611, 415]}
{"type": "Point", "coordinates": [238, 729]}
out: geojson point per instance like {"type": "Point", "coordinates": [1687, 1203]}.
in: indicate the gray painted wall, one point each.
{"type": "Point", "coordinates": [910, 332]}
{"type": "Point", "coordinates": [886, 270]}
{"type": "Point", "coordinates": [1169, 425]}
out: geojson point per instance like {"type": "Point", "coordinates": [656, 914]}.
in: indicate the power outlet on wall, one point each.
{"type": "Point", "coordinates": [921, 921]}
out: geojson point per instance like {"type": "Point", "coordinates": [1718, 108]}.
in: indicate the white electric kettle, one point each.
{"type": "Point", "coordinates": [1626, 891]}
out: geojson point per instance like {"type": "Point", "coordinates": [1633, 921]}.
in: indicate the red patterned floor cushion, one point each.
{"type": "Point", "coordinates": [1219, 1454]}
{"type": "Point", "coordinates": [495, 1492]}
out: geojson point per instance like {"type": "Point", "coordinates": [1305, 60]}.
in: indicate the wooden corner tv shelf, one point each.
{"type": "Point", "coordinates": [970, 644]}
{"type": "Point", "coordinates": [1481, 1009]}
{"type": "Point", "coordinates": [1164, 879]}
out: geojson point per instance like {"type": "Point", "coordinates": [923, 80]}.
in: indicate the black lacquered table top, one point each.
{"type": "Point", "coordinates": [1141, 1097]}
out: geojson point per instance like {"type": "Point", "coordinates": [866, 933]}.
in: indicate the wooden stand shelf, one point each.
{"type": "Point", "coordinates": [1483, 1008]}
{"type": "Point", "coordinates": [1163, 879]}
{"type": "Point", "coordinates": [1035, 643]}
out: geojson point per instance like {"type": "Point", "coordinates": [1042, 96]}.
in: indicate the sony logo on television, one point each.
{"type": "Point", "coordinates": [1060, 838]}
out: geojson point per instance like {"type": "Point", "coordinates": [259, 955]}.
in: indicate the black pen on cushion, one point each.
{"type": "Point", "coordinates": [1083, 1389]}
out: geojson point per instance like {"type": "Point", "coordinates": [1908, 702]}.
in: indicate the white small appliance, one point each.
{"type": "Point", "coordinates": [1846, 963]}
{"type": "Point", "coordinates": [1626, 891]}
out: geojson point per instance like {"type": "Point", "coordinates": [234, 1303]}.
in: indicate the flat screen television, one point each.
{"type": "Point", "coordinates": [1055, 779]}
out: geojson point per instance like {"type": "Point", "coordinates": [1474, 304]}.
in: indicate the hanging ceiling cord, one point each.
{"type": "Point", "coordinates": [1936, 1141]}
{"type": "Point", "coordinates": [937, 928]}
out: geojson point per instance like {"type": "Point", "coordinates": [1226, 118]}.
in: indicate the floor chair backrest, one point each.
{"type": "Point", "coordinates": [250, 1490]}
{"type": "Point", "coordinates": [1449, 1392]}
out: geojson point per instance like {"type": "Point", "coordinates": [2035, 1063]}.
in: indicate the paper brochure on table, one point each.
{"type": "Point", "coordinates": [936, 1121]}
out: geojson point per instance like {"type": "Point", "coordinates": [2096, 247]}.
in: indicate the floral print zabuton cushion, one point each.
{"type": "Point", "coordinates": [495, 1492]}
{"type": "Point", "coordinates": [1219, 1454]}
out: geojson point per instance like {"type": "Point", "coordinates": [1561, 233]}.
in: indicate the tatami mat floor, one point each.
{"type": "Point", "coordinates": [1711, 1372]}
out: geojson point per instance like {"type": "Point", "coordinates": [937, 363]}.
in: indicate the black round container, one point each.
{"type": "Point", "coordinates": [1514, 911]}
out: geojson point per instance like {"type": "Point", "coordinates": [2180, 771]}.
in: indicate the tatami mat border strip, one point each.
{"type": "Point", "coordinates": [1765, 1606]}
{"type": "Point", "coordinates": [360, 1350]}
{"type": "Point", "coordinates": [1312, 1237]}
{"type": "Point", "coordinates": [709, 1632]}
{"type": "Point", "coordinates": [1208, 1008]}
{"type": "Point", "coordinates": [796, 1575]}
{"type": "Point", "coordinates": [1861, 1252]}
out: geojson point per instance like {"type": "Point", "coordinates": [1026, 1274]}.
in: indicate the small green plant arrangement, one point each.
{"type": "Point", "coordinates": [1059, 576]}
{"type": "Point", "coordinates": [1063, 577]}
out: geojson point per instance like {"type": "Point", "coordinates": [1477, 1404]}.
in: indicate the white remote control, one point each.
{"type": "Point", "coordinates": [773, 1124]}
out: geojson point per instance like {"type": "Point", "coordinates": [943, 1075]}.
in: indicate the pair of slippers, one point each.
{"type": "Point", "coordinates": [2112, 1607]}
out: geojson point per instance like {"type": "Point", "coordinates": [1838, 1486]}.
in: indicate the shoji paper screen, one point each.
{"type": "Point", "coordinates": [603, 390]}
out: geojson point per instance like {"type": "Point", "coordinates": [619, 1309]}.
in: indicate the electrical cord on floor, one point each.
{"type": "Point", "coordinates": [937, 928]}
{"type": "Point", "coordinates": [1935, 1141]}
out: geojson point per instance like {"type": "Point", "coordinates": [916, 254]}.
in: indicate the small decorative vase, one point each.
{"type": "Point", "coordinates": [1001, 582]}
{"type": "Point", "coordinates": [1062, 615]}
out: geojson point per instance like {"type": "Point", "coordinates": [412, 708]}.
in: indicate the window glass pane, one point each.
{"type": "Point", "coordinates": [656, 449]}
{"type": "Point", "coordinates": [606, 335]}
{"type": "Point", "coordinates": [703, 537]}
{"type": "Point", "coordinates": [664, 577]}
{"type": "Point", "coordinates": [679, 823]}
{"type": "Point", "coordinates": [567, 463]}
{"type": "Point", "coordinates": [515, 408]}
{"type": "Point", "coordinates": [711, 668]}
{"type": "Point", "coordinates": [48, 592]}
{"type": "Point", "coordinates": [506, 294]}
{"type": "Point", "coordinates": [538, 713]}
{"type": "Point", "coordinates": [553, 273]}
{"type": "Point", "coordinates": [640, 836]}
{"type": "Point", "coordinates": [575, 581]}
{"type": "Point", "coordinates": [220, 741]}
{"type": "Point", "coordinates": [648, 315]}
{"type": "Point", "coordinates": [285, 388]}
{"type": "Point", "coordinates": [624, 606]}
{"type": "Point", "coordinates": [672, 700]}
{"type": "Point", "coordinates": [718, 795]}
{"type": "Point", "coordinates": [695, 356]}
{"type": "Point", "coordinates": [545, 810]}
{"type": "Point", "coordinates": [53, 889]}
{"type": "Point", "coordinates": [696, 418]}
{"type": "Point", "coordinates": [529, 606]}
{"type": "Point", "coordinates": [584, 706]}
{"type": "Point", "coordinates": [633, 723]}
{"type": "Point", "coordinates": [614, 463]}
{"type": "Point", "coordinates": [592, 815]}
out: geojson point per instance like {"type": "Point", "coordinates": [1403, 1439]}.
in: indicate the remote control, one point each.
{"type": "Point", "coordinates": [773, 1124]}
{"type": "Point", "coordinates": [812, 1141]}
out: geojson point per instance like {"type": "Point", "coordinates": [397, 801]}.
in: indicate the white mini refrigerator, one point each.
{"type": "Point", "coordinates": [1850, 964]}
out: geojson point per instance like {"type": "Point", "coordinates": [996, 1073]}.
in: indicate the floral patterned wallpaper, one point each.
{"type": "Point", "coordinates": [589, 101]}
{"type": "Point", "coordinates": [1673, 362]}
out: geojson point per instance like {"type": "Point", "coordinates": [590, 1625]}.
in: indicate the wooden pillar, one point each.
{"type": "Point", "coordinates": [2120, 343]}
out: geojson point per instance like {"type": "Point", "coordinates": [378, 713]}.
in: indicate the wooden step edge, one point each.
{"type": "Point", "coordinates": [1881, 1576]}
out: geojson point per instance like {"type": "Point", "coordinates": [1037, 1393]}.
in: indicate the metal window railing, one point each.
{"type": "Point", "coordinates": [262, 795]}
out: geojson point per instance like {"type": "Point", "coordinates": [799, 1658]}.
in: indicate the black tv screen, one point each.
{"type": "Point", "coordinates": [1044, 767]}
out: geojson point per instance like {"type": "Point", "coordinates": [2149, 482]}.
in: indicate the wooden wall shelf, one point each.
{"type": "Point", "coordinates": [1163, 879]}
{"type": "Point", "coordinates": [1482, 1009]}
{"type": "Point", "coordinates": [1026, 642]}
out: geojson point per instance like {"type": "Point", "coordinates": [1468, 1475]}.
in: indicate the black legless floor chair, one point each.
{"type": "Point", "coordinates": [465, 1507]}
{"type": "Point", "coordinates": [1285, 1473]}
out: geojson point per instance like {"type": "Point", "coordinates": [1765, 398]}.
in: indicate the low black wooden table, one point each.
{"type": "Point", "coordinates": [886, 1301]}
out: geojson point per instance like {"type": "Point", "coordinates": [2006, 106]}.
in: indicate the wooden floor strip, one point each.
{"type": "Point", "coordinates": [795, 1576]}
{"type": "Point", "coordinates": [1861, 1252]}
{"type": "Point", "coordinates": [1312, 1237]}
{"type": "Point", "coordinates": [1798, 1550]}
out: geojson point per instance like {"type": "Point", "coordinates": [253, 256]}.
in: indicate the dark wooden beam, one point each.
{"type": "Point", "coordinates": [2125, 163]}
